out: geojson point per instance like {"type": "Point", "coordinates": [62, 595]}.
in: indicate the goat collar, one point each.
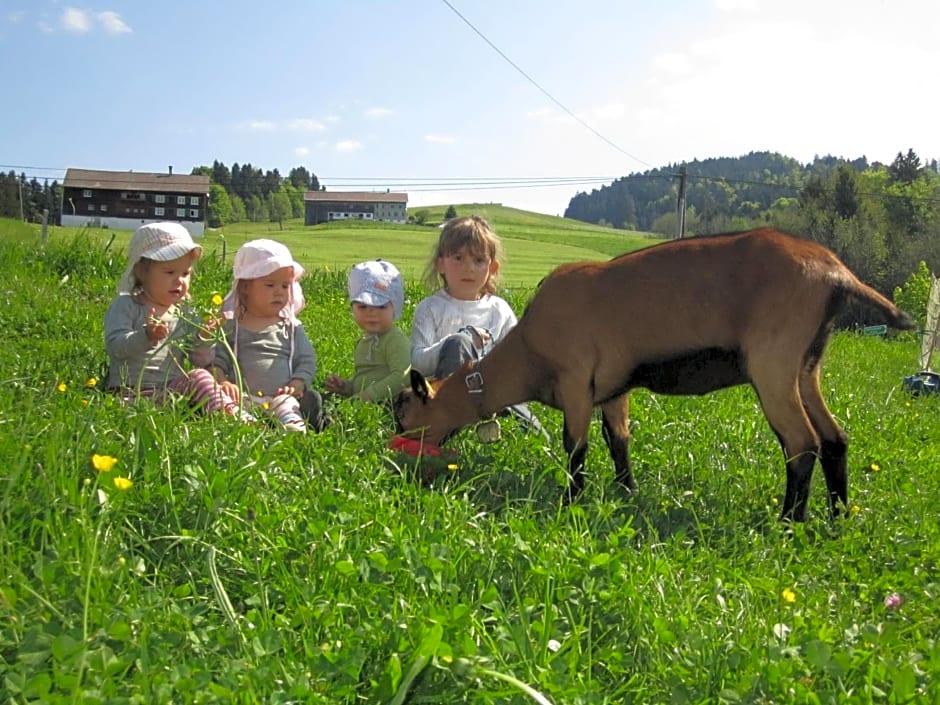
{"type": "Point", "coordinates": [488, 429]}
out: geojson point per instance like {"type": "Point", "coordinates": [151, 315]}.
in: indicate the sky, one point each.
{"type": "Point", "coordinates": [518, 102]}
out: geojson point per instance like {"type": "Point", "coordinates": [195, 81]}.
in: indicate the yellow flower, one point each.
{"type": "Point", "coordinates": [855, 509]}
{"type": "Point", "coordinates": [62, 386]}
{"type": "Point", "coordinates": [103, 463]}
{"type": "Point", "coordinates": [83, 402]}
{"type": "Point", "coordinates": [266, 406]}
{"type": "Point", "coordinates": [92, 382]}
{"type": "Point", "coordinates": [874, 467]}
{"type": "Point", "coordinates": [452, 467]}
{"type": "Point", "coordinates": [122, 483]}
{"type": "Point", "coordinates": [788, 595]}
{"type": "Point", "coordinates": [216, 300]}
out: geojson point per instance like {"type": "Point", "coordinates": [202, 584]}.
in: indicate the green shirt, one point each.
{"type": "Point", "coordinates": [382, 365]}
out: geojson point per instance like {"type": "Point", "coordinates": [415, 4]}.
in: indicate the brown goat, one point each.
{"type": "Point", "coordinates": [684, 317]}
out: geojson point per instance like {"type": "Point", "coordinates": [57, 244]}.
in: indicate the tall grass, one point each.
{"type": "Point", "coordinates": [248, 566]}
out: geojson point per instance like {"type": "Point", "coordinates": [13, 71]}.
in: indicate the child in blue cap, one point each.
{"type": "Point", "coordinates": [382, 358]}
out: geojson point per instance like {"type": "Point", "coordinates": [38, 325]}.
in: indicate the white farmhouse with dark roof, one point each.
{"type": "Point", "coordinates": [125, 200]}
{"type": "Point", "coordinates": [324, 206]}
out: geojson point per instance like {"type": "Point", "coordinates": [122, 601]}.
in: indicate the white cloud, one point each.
{"type": "Point", "coordinates": [610, 111]}
{"type": "Point", "coordinates": [301, 151]}
{"type": "Point", "coordinates": [439, 139]}
{"type": "Point", "coordinates": [378, 112]}
{"type": "Point", "coordinates": [260, 125]}
{"type": "Point", "coordinates": [80, 21]}
{"type": "Point", "coordinates": [332, 119]}
{"type": "Point", "coordinates": [348, 146]}
{"type": "Point", "coordinates": [75, 20]}
{"type": "Point", "coordinates": [306, 125]}
{"type": "Point", "coordinates": [112, 23]}
{"type": "Point", "coordinates": [542, 112]}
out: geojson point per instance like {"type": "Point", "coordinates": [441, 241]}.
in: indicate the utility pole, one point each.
{"type": "Point", "coordinates": [680, 205]}
{"type": "Point", "coordinates": [22, 217]}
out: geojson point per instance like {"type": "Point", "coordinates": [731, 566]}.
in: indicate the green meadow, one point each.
{"type": "Point", "coordinates": [153, 555]}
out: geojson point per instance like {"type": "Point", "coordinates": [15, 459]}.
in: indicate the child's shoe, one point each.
{"type": "Point", "coordinates": [240, 414]}
{"type": "Point", "coordinates": [293, 422]}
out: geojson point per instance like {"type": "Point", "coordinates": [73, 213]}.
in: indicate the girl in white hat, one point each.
{"type": "Point", "coordinates": [145, 336]}
{"type": "Point", "coordinates": [274, 356]}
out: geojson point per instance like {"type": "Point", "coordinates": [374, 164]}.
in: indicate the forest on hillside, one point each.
{"type": "Point", "coordinates": [882, 220]}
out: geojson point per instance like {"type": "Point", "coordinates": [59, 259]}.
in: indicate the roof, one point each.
{"type": "Point", "coordinates": [356, 196]}
{"type": "Point", "coordinates": [136, 181]}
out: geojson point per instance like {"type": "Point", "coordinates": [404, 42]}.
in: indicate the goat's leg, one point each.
{"type": "Point", "coordinates": [834, 444]}
{"type": "Point", "coordinates": [577, 424]}
{"type": "Point", "coordinates": [616, 419]}
{"type": "Point", "coordinates": [780, 399]}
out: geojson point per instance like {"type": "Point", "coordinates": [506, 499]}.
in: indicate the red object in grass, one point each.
{"type": "Point", "coordinates": [414, 447]}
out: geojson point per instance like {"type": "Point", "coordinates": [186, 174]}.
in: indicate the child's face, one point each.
{"type": "Point", "coordinates": [466, 273]}
{"type": "Point", "coordinates": [373, 320]}
{"type": "Point", "coordinates": [267, 295]}
{"type": "Point", "coordinates": [165, 283]}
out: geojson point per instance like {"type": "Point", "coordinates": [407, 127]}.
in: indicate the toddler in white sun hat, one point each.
{"type": "Point", "coordinates": [148, 329]}
{"type": "Point", "coordinates": [382, 357]}
{"type": "Point", "coordinates": [271, 349]}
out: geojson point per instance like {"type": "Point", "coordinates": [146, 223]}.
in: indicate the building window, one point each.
{"type": "Point", "coordinates": [159, 198]}
{"type": "Point", "coordinates": [91, 206]}
{"type": "Point", "coordinates": [158, 210]}
{"type": "Point", "coordinates": [104, 207]}
{"type": "Point", "coordinates": [180, 212]}
{"type": "Point", "coordinates": [86, 193]}
{"type": "Point", "coordinates": [193, 212]}
{"type": "Point", "coordinates": [194, 200]}
{"type": "Point", "coordinates": [181, 200]}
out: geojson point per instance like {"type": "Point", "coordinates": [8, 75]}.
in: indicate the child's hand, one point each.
{"type": "Point", "coordinates": [232, 389]}
{"type": "Point", "coordinates": [209, 326]}
{"type": "Point", "coordinates": [156, 329]}
{"type": "Point", "coordinates": [294, 388]}
{"type": "Point", "coordinates": [338, 385]}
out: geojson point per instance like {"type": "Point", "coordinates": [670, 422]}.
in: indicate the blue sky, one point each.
{"type": "Point", "coordinates": [408, 95]}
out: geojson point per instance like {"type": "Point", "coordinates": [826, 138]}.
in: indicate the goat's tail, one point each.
{"type": "Point", "coordinates": [893, 316]}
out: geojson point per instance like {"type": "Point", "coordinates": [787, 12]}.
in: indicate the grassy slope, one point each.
{"type": "Point", "coordinates": [533, 243]}
{"type": "Point", "coordinates": [345, 579]}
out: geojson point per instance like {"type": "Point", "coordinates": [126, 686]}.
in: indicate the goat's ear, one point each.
{"type": "Point", "coordinates": [420, 386]}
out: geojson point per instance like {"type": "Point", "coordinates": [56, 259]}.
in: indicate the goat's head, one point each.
{"type": "Point", "coordinates": [417, 414]}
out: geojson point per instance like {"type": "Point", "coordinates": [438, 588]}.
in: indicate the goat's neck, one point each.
{"type": "Point", "coordinates": [485, 387]}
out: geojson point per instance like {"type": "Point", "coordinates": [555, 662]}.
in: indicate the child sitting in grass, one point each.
{"type": "Point", "coordinates": [274, 356]}
{"type": "Point", "coordinates": [149, 333]}
{"type": "Point", "coordinates": [382, 358]}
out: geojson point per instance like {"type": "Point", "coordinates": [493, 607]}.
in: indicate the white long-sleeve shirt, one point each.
{"type": "Point", "coordinates": [441, 315]}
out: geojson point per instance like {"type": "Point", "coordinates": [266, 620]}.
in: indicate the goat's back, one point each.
{"type": "Point", "coordinates": [741, 291]}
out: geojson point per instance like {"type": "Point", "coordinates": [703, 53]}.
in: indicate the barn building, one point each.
{"type": "Point", "coordinates": [125, 200]}
{"type": "Point", "coordinates": [325, 206]}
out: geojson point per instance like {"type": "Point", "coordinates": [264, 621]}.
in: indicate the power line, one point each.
{"type": "Point", "coordinates": [543, 91]}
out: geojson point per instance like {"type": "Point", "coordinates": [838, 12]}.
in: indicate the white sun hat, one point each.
{"type": "Point", "coordinates": [161, 242]}
{"type": "Point", "coordinates": [376, 283]}
{"type": "Point", "coordinates": [259, 258]}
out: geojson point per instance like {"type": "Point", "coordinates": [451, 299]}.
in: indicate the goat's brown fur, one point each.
{"type": "Point", "coordinates": [685, 317]}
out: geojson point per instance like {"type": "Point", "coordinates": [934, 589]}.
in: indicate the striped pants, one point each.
{"type": "Point", "coordinates": [198, 385]}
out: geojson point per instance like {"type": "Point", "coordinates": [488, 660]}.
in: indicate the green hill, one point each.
{"type": "Point", "coordinates": [533, 243]}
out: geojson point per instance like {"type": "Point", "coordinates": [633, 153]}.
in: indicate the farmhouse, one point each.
{"type": "Point", "coordinates": [125, 200]}
{"type": "Point", "coordinates": [323, 206]}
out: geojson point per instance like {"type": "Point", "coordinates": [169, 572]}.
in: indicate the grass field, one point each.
{"type": "Point", "coordinates": [242, 565]}
{"type": "Point", "coordinates": [534, 243]}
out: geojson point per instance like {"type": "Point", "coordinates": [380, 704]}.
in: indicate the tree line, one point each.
{"type": "Point", "coordinates": [240, 193]}
{"type": "Point", "coordinates": [882, 220]}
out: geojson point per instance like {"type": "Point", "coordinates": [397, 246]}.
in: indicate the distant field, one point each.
{"type": "Point", "coordinates": [534, 243]}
